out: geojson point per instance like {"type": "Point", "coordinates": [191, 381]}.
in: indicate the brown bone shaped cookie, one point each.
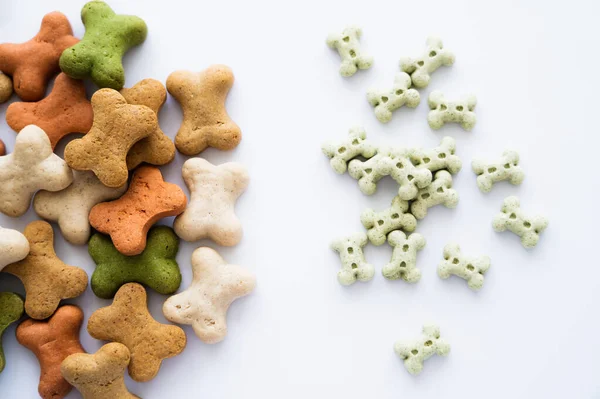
{"type": "Point", "coordinates": [2, 148]}
{"type": "Point", "coordinates": [129, 322]}
{"type": "Point", "coordinates": [156, 149]}
{"type": "Point", "coordinates": [46, 278]}
{"type": "Point", "coordinates": [116, 128]}
{"type": "Point", "coordinates": [33, 63]}
{"type": "Point", "coordinates": [205, 120]}
{"type": "Point", "coordinates": [66, 110]}
{"type": "Point", "coordinates": [99, 376]}
{"type": "Point", "coordinates": [128, 219]}
{"type": "Point", "coordinates": [51, 341]}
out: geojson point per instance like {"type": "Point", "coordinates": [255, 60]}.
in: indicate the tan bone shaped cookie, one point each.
{"type": "Point", "coordinates": [129, 322]}
{"type": "Point", "coordinates": [216, 284]}
{"type": "Point", "coordinates": [46, 278]}
{"type": "Point", "coordinates": [116, 128]}
{"type": "Point", "coordinates": [32, 166]}
{"type": "Point", "coordinates": [13, 247]}
{"type": "Point", "coordinates": [202, 97]}
{"type": "Point", "coordinates": [210, 212]}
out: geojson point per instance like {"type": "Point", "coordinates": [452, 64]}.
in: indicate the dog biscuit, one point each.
{"type": "Point", "coordinates": [471, 269]}
{"type": "Point", "coordinates": [420, 69]}
{"type": "Point", "coordinates": [13, 247]}
{"type": "Point", "coordinates": [437, 158]}
{"type": "Point", "coordinates": [11, 310]}
{"type": "Point", "coordinates": [354, 264]}
{"type": "Point", "coordinates": [414, 352]}
{"type": "Point", "coordinates": [458, 111]}
{"type": "Point", "coordinates": [505, 168]}
{"type": "Point", "coordinates": [348, 47]}
{"type": "Point", "coordinates": [2, 148]}
{"type": "Point", "coordinates": [343, 151]}
{"type": "Point", "coordinates": [513, 218]}
{"type": "Point", "coordinates": [379, 224]}
{"type": "Point", "coordinates": [404, 257]}
{"type": "Point", "coordinates": [6, 89]}
{"type": "Point", "coordinates": [387, 101]}
{"type": "Point", "coordinates": [440, 191]}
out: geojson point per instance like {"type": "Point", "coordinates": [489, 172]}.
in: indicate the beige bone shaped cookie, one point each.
{"type": "Point", "coordinates": [202, 97]}
{"type": "Point", "coordinates": [14, 246]}
{"type": "Point", "coordinates": [404, 257]}
{"type": "Point", "coordinates": [379, 224]}
{"type": "Point", "coordinates": [343, 151]}
{"type": "Point", "coordinates": [101, 375]}
{"type": "Point", "coordinates": [32, 166]}
{"type": "Point", "coordinates": [456, 111]}
{"type": "Point", "coordinates": [514, 219]}
{"type": "Point", "coordinates": [354, 265]}
{"type": "Point", "coordinates": [440, 191]}
{"type": "Point", "coordinates": [71, 207]}
{"type": "Point", "coordinates": [348, 47]}
{"type": "Point", "coordinates": [437, 158]}
{"type": "Point", "coordinates": [387, 101]}
{"type": "Point", "coordinates": [215, 285]}
{"type": "Point", "coordinates": [210, 212]}
{"type": "Point", "coordinates": [505, 168]}
{"type": "Point", "coordinates": [414, 352]}
{"type": "Point", "coordinates": [420, 69]}
{"type": "Point", "coordinates": [471, 269]}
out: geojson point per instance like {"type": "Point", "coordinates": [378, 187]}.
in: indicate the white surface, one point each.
{"type": "Point", "coordinates": [532, 330]}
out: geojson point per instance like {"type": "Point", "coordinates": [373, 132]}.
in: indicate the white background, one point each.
{"type": "Point", "coordinates": [532, 332]}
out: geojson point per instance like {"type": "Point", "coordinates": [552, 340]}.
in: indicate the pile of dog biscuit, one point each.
{"type": "Point", "coordinates": [424, 177]}
{"type": "Point", "coordinates": [93, 200]}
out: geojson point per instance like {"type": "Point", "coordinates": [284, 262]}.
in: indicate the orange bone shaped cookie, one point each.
{"type": "Point", "coordinates": [32, 64]}
{"type": "Point", "coordinates": [116, 128]}
{"type": "Point", "coordinates": [129, 322]}
{"type": "Point", "coordinates": [51, 341]}
{"type": "Point", "coordinates": [46, 278]}
{"type": "Point", "coordinates": [205, 121]}
{"type": "Point", "coordinates": [128, 219]}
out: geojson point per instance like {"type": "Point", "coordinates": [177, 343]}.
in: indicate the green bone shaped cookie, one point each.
{"type": "Point", "coordinates": [107, 37]}
{"type": "Point", "coordinates": [156, 267]}
{"type": "Point", "coordinates": [11, 310]}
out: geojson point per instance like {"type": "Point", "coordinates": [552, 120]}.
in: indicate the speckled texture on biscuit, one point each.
{"type": "Point", "coordinates": [341, 152]}
{"type": "Point", "coordinates": [348, 47]}
{"type": "Point", "coordinates": [354, 264]}
{"type": "Point", "coordinates": [46, 278]}
{"type": "Point", "coordinates": [156, 267]}
{"type": "Point", "coordinates": [434, 56]}
{"type": "Point", "coordinates": [415, 351]}
{"type": "Point", "coordinates": [52, 340]}
{"type": "Point", "coordinates": [13, 247]}
{"type": "Point", "coordinates": [469, 268]}
{"type": "Point", "coordinates": [107, 38]}
{"type": "Point", "coordinates": [6, 88]}
{"type": "Point", "coordinates": [128, 321]}
{"type": "Point", "coordinates": [202, 97]}
{"type": "Point", "coordinates": [100, 375]}
{"type": "Point", "coordinates": [451, 111]}
{"type": "Point", "coordinates": [504, 168]}
{"type": "Point", "coordinates": [441, 157]}
{"type": "Point", "coordinates": [11, 310]}
{"type": "Point", "coordinates": [128, 219]}
{"type": "Point", "coordinates": [379, 224]}
{"type": "Point", "coordinates": [440, 191]}
{"type": "Point", "coordinates": [403, 264]}
{"type": "Point", "coordinates": [156, 149]}
{"type": "Point", "coordinates": [215, 285]}
{"type": "Point", "coordinates": [514, 219]}
{"type": "Point", "coordinates": [116, 128]}
{"type": "Point", "coordinates": [385, 102]}
{"type": "Point", "coordinates": [33, 63]}
{"type": "Point", "coordinates": [66, 110]}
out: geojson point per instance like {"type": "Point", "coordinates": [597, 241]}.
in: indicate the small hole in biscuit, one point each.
{"type": "Point", "coordinates": [399, 92]}
{"type": "Point", "coordinates": [384, 99]}
{"type": "Point", "coordinates": [352, 53]}
{"type": "Point", "coordinates": [425, 195]}
{"type": "Point", "coordinates": [354, 266]}
{"type": "Point", "coordinates": [459, 108]}
{"type": "Point", "coordinates": [350, 250]}
{"type": "Point", "coordinates": [428, 343]}
{"type": "Point", "coordinates": [355, 142]}
{"type": "Point", "coordinates": [380, 222]}
{"type": "Point", "coordinates": [420, 63]}
{"type": "Point", "coordinates": [470, 267]}
{"type": "Point", "coordinates": [414, 352]}
{"type": "Point", "coordinates": [442, 155]}
{"type": "Point", "coordinates": [341, 150]}
{"type": "Point", "coordinates": [492, 169]}
{"type": "Point", "coordinates": [506, 166]}
{"type": "Point", "coordinates": [432, 54]}
{"type": "Point", "coordinates": [537, 231]}
{"type": "Point", "coordinates": [346, 39]}
{"type": "Point", "coordinates": [368, 170]}
{"type": "Point", "coordinates": [410, 177]}
{"type": "Point", "coordinates": [451, 152]}
{"type": "Point", "coordinates": [209, 322]}
{"type": "Point", "coordinates": [527, 224]}
{"type": "Point", "coordinates": [455, 261]}
{"type": "Point", "coordinates": [443, 107]}
{"type": "Point", "coordinates": [403, 264]}
{"type": "Point", "coordinates": [399, 165]}
{"type": "Point", "coordinates": [513, 216]}
{"type": "Point", "coordinates": [440, 189]}
{"type": "Point", "coordinates": [405, 248]}
{"type": "Point", "coordinates": [395, 216]}
{"type": "Point", "coordinates": [426, 160]}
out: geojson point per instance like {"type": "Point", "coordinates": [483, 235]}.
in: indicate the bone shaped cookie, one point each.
{"type": "Point", "coordinates": [156, 149]}
{"type": "Point", "coordinates": [214, 191]}
{"type": "Point", "coordinates": [414, 352]}
{"type": "Point", "coordinates": [387, 101]}
{"type": "Point", "coordinates": [505, 168]}
{"type": "Point", "coordinates": [128, 219]}
{"type": "Point", "coordinates": [13, 247]}
{"type": "Point", "coordinates": [420, 69]}
{"type": "Point", "coordinates": [215, 285]}
{"type": "Point", "coordinates": [156, 267]}
{"type": "Point", "coordinates": [343, 151]}
{"type": "Point", "coordinates": [440, 191]}
{"type": "Point", "coordinates": [471, 269]}
{"type": "Point", "coordinates": [33, 63]}
{"type": "Point", "coordinates": [202, 97]}
{"type": "Point", "coordinates": [440, 157]}
{"type": "Point", "coordinates": [66, 110]}
{"type": "Point", "coordinates": [116, 128]}
{"type": "Point", "coordinates": [379, 224]}
{"type": "Point", "coordinates": [99, 376]}
{"type": "Point", "coordinates": [129, 322]}
{"type": "Point", "coordinates": [404, 257]}
{"type": "Point", "coordinates": [46, 278]}
{"type": "Point", "coordinates": [348, 47]}
{"type": "Point", "coordinates": [32, 166]}
{"type": "Point", "coordinates": [52, 341]}
{"type": "Point", "coordinates": [107, 38]}
{"type": "Point", "coordinates": [457, 111]}
{"type": "Point", "coordinates": [71, 207]}
{"type": "Point", "coordinates": [6, 90]}
{"type": "Point", "coordinates": [514, 219]}
{"type": "Point", "coordinates": [354, 264]}
{"type": "Point", "coordinates": [11, 310]}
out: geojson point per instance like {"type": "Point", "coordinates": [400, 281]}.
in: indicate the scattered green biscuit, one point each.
{"type": "Point", "coordinates": [107, 37]}
{"type": "Point", "coordinates": [11, 310]}
{"type": "Point", "coordinates": [156, 267]}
